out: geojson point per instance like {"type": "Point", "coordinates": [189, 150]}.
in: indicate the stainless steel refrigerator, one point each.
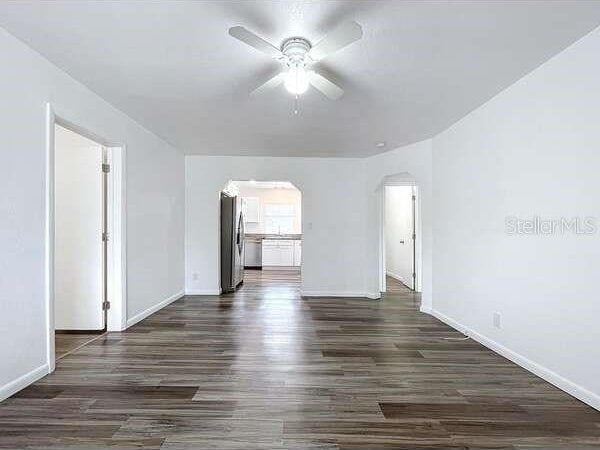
{"type": "Point", "coordinates": [232, 242]}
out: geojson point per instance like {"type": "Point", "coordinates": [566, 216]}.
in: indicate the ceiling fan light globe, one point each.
{"type": "Point", "coordinates": [296, 80]}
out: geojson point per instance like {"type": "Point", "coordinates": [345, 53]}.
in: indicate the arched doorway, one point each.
{"type": "Point", "coordinates": [264, 245]}
{"type": "Point", "coordinates": [400, 236]}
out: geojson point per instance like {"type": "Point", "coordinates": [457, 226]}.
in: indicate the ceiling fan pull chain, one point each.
{"type": "Point", "coordinates": [296, 98]}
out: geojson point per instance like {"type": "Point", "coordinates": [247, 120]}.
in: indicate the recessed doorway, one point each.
{"type": "Point", "coordinates": [400, 236]}
{"type": "Point", "coordinates": [80, 218]}
{"type": "Point", "coordinates": [271, 213]}
{"type": "Point", "coordinates": [85, 241]}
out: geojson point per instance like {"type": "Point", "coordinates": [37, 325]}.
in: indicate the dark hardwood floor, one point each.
{"type": "Point", "coordinates": [394, 286]}
{"type": "Point", "coordinates": [65, 343]}
{"type": "Point", "coordinates": [266, 369]}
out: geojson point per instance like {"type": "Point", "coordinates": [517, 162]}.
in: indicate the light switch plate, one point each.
{"type": "Point", "coordinates": [497, 318]}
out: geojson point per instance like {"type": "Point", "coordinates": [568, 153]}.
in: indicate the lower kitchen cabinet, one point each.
{"type": "Point", "coordinates": [297, 253]}
{"type": "Point", "coordinates": [279, 253]}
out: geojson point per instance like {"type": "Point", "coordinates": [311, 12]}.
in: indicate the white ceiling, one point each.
{"type": "Point", "coordinates": [420, 66]}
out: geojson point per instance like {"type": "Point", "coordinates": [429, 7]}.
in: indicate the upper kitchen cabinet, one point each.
{"type": "Point", "coordinates": [251, 209]}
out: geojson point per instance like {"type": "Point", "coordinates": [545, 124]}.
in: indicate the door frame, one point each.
{"type": "Point", "coordinates": [417, 257]}
{"type": "Point", "coordinates": [116, 201]}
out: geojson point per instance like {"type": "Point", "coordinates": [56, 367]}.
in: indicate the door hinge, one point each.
{"type": "Point", "coordinates": [414, 236]}
{"type": "Point", "coordinates": [414, 197]}
{"type": "Point", "coordinates": [105, 306]}
{"type": "Point", "coordinates": [106, 168]}
{"type": "Point", "coordinates": [105, 237]}
{"type": "Point", "coordinates": [414, 275]}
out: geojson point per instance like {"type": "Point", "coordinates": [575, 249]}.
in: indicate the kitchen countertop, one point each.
{"type": "Point", "coordinates": [283, 237]}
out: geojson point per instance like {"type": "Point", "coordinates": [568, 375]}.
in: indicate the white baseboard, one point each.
{"type": "Point", "coordinates": [141, 316]}
{"type": "Point", "coordinates": [395, 276]}
{"type": "Point", "coordinates": [23, 381]}
{"type": "Point", "coordinates": [370, 295]}
{"type": "Point", "coordinates": [203, 292]}
{"type": "Point", "coordinates": [550, 376]}
{"type": "Point", "coordinates": [400, 279]}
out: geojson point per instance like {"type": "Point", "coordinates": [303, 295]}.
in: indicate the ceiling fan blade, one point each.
{"type": "Point", "coordinates": [271, 84]}
{"type": "Point", "coordinates": [340, 37]}
{"type": "Point", "coordinates": [251, 39]}
{"type": "Point", "coordinates": [327, 88]}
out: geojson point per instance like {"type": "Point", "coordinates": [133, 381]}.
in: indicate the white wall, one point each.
{"type": "Point", "coordinates": [341, 216]}
{"type": "Point", "coordinates": [78, 249]}
{"type": "Point", "coordinates": [273, 195]}
{"type": "Point", "coordinates": [333, 218]}
{"type": "Point", "coordinates": [155, 204]}
{"type": "Point", "coordinates": [398, 226]}
{"type": "Point", "coordinates": [532, 150]}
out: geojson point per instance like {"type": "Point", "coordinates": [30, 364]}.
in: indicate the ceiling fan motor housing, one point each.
{"type": "Point", "coordinates": [295, 50]}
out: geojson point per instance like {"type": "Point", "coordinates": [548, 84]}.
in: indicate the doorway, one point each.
{"type": "Point", "coordinates": [80, 240]}
{"type": "Point", "coordinates": [272, 219]}
{"type": "Point", "coordinates": [85, 237]}
{"type": "Point", "coordinates": [400, 237]}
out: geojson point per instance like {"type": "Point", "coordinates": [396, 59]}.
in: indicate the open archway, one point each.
{"type": "Point", "coordinates": [262, 244]}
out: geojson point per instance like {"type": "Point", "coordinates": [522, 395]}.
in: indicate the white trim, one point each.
{"type": "Point", "coordinates": [203, 292]}
{"type": "Point", "coordinates": [369, 295]}
{"type": "Point", "coordinates": [425, 310]}
{"type": "Point", "coordinates": [141, 316]}
{"type": "Point", "coordinates": [23, 381]}
{"type": "Point", "coordinates": [49, 239]}
{"type": "Point", "coordinates": [550, 376]}
{"type": "Point", "coordinates": [117, 244]}
{"type": "Point", "coordinates": [396, 277]}
{"type": "Point", "coordinates": [382, 256]}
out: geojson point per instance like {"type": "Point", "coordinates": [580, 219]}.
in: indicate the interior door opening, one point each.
{"type": "Point", "coordinates": [81, 173]}
{"type": "Point", "coordinates": [270, 214]}
{"type": "Point", "coordinates": [400, 237]}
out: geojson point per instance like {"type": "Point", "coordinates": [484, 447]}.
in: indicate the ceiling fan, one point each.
{"type": "Point", "coordinates": [297, 55]}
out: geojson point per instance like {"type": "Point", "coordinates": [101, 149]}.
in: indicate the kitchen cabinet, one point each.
{"type": "Point", "coordinates": [277, 252]}
{"type": "Point", "coordinates": [270, 254]}
{"type": "Point", "coordinates": [297, 253]}
{"type": "Point", "coordinates": [286, 253]}
{"type": "Point", "coordinates": [251, 209]}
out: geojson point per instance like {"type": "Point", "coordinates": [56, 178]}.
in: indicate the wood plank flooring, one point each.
{"type": "Point", "coordinates": [264, 368]}
{"type": "Point", "coordinates": [65, 343]}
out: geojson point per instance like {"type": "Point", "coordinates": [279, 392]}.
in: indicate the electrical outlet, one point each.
{"type": "Point", "coordinates": [195, 276]}
{"type": "Point", "coordinates": [497, 319]}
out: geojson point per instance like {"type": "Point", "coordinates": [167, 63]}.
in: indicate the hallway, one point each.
{"type": "Point", "coordinates": [266, 369]}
